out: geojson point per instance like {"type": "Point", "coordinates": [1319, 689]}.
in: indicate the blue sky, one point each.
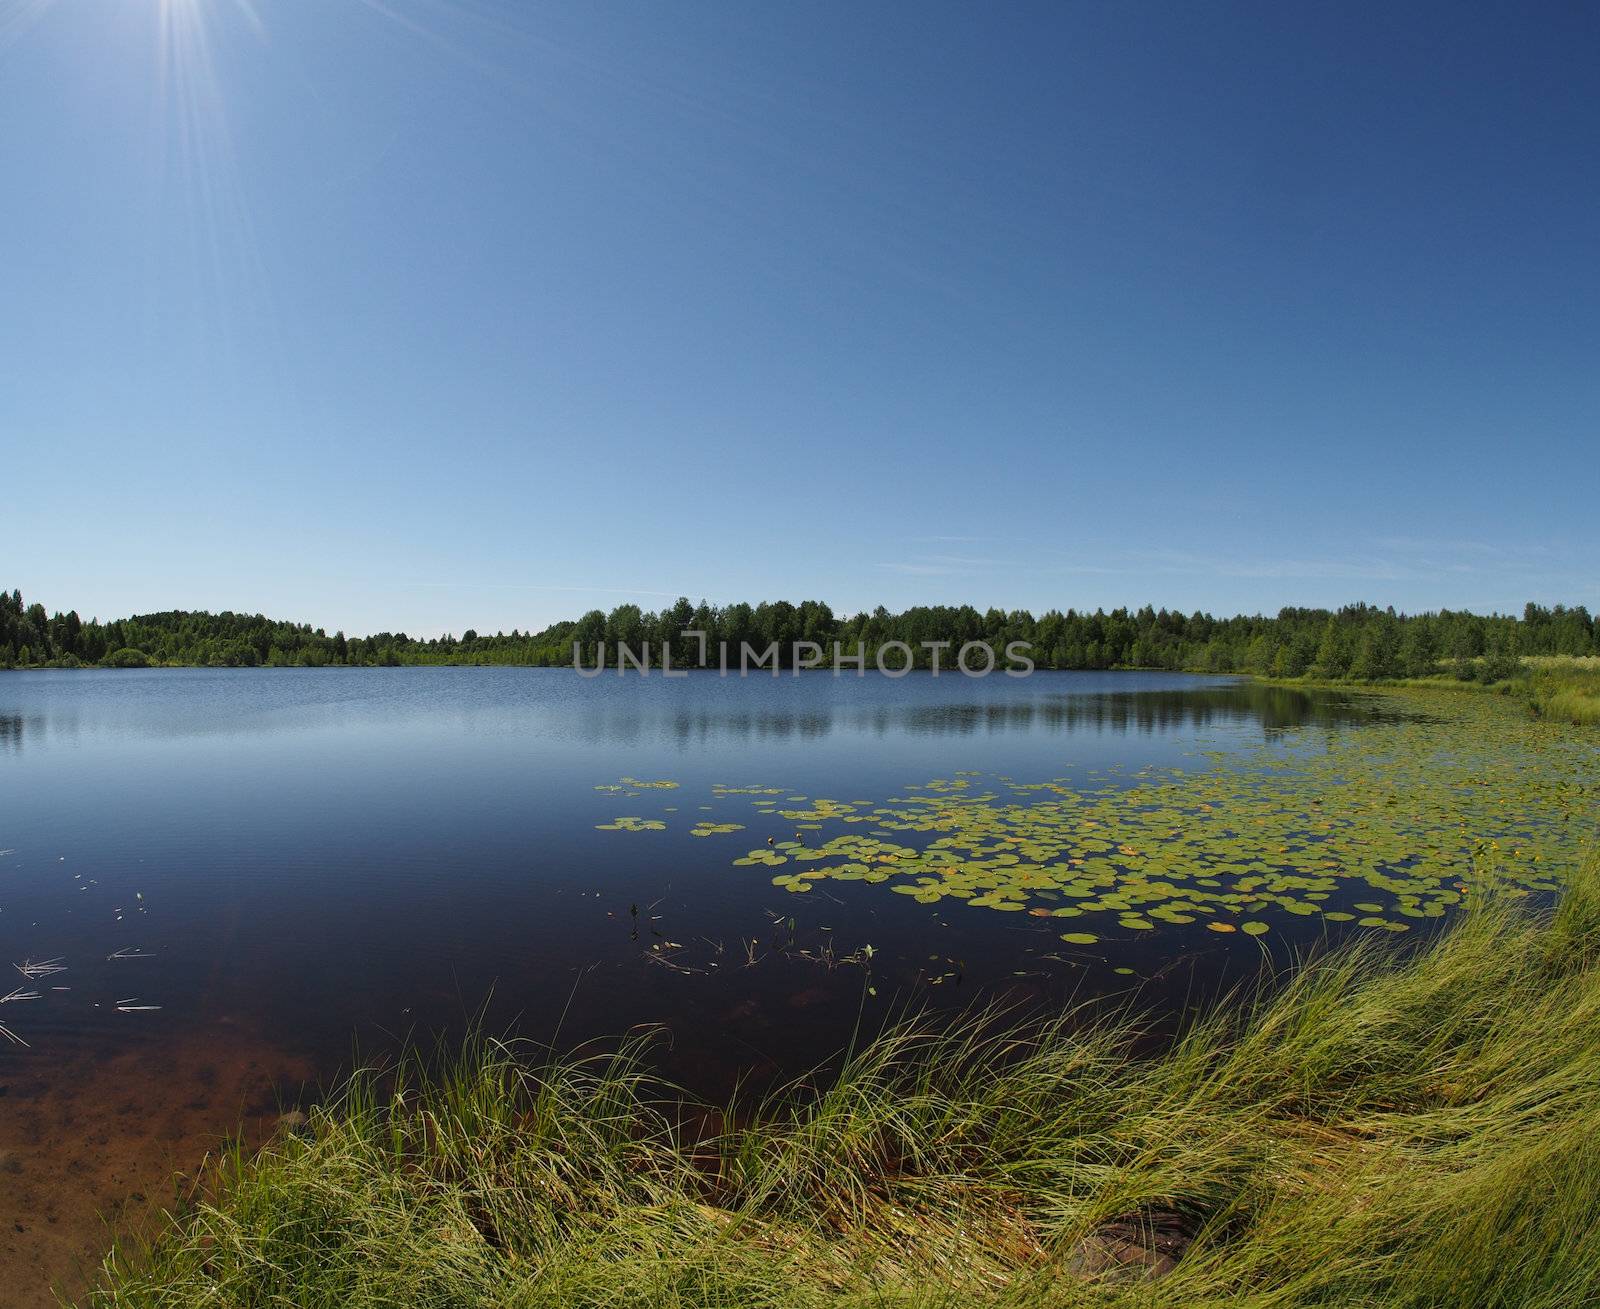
{"type": "Point", "coordinates": [428, 314]}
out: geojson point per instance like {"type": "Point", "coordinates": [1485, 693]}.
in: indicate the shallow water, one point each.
{"type": "Point", "coordinates": [247, 874]}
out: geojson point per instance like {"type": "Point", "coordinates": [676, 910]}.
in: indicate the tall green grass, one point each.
{"type": "Point", "coordinates": [1380, 1131]}
{"type": "Point", "coordinates": [1567, 690]}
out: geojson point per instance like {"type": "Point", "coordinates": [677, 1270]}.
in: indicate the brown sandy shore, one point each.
{"type": "Point", "coordinates": [91, 1139]}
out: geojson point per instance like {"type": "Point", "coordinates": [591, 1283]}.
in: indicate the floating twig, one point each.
{"type": "Point", "coordinates": [676, 967]}
{"type": "Point", "coordinates": [11, 1036]}
{"type": "Point", "coordinates": [19, 994]}
{"type": "Point", "coordinates": [130, 952]}
{"type": "Point", "coordinates": [41, 968]}
{"type": "Point", "coordinates": [132, 1006]}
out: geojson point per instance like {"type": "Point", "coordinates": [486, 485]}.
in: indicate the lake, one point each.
{"type": "Point", "coordinates": [328, 852]}
{"type": "Point", "coordinates": [247, 875]}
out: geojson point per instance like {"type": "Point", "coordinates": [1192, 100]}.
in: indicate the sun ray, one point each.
{"type": "Point", "coordinates": [197, 167]}
{"type": "Point", "coordinates": [17, 16]}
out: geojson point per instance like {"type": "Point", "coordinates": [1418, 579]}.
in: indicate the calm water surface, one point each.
{"type": "Point", "coordinates": [319, 856]}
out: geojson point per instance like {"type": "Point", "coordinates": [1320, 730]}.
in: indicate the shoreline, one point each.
{"type": "Point", "coordinates": [1285, 1153]}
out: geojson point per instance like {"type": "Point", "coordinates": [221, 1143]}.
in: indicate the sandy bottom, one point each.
{"type": "Point", "coordinates": [91, 1140]}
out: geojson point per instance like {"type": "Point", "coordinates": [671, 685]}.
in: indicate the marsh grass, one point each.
{"type": "Point", "coordinates": [1567, 690]}
{"type": "Point", "coordinates": [1563, 688]}
{"type": "Point", "coordinates": [1377, 1130]}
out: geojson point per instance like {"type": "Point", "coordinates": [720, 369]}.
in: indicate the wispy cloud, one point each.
{"type": "Point", "coordinates": [937, 565]}
{"type": "Point", "coordinates": [1490, 549]}
{"type": "Point", "coordinates": [1391, 559]}
{"type": "Point", "coordinates": [545, 586]}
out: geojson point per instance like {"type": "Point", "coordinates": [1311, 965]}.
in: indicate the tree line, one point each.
{"type": "Point", "coordinates": [1357, 642]}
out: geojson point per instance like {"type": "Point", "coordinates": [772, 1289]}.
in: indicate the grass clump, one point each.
{"type": "Point", "coordinates": [1380, 1130]}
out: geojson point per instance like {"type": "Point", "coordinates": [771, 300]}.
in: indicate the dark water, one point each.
{"type": "Point", "coordinates": [317, 855]}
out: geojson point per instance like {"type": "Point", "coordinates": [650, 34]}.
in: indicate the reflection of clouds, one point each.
{"type": "Point", "coordinates": [554, 705]}
{"type": "Point", "coordinates": [1117, 712]}
{"type": "Point", "coordinates": [1148, 712]}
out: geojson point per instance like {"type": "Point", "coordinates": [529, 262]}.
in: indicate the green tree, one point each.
{"type": "Point", "coordinates": [1332, 658]}
{"type": "Point", "coordinates": [1419, 653]}
{"type": "Point", "coordinates": [127, 658]}
{"type": "Point", "coordinates": [1375, 656]}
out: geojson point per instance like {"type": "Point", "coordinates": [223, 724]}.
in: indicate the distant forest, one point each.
{"type": "Point", "coordinates": [1358, 642]}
